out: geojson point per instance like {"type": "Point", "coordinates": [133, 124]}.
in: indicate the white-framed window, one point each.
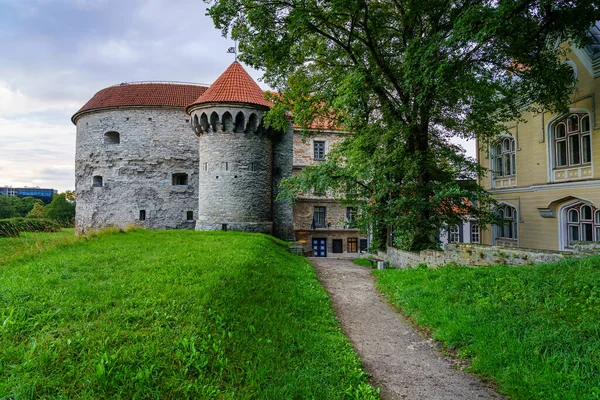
{"type": "Point", "coordinates": [572, 141]}
{"type": "Point", "coordinates": [503, 161]}
{"type": "Point", "coordinates": [508, 229]}
{"type": "Point", "coordinates": [319, 150]}
{"type": "Point", "coordinates": [582, 223]}
{"type": "Point", "coordinates": [454, 234]}
{"type": "Point", "coordinates": [474, 233]}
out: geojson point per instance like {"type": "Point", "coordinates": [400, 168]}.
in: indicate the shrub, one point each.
{"type": "Point", "coordinates": [11, 227]}
{"type": "Point", "coordinates": [8, 228]}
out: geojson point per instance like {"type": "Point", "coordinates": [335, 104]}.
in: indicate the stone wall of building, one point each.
{"type": "Point", "coordinates": [335, 214]}
{"type": "Point", "coordinates": [283, 214]}
{"type": "Point", "coordinates": [235, 187]}
{"type": "Point", "coordinates": [471, 255]}
{"type": "Point", "coordinates": [304, 145]}
{"type": "Point", "coordinates": [137, 173]}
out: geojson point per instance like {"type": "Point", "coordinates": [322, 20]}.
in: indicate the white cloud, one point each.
{"type": "Point", "coordinates": [13, 101]}
{"type": "Point", "coordinates": [109, 52]}
{"type": "Point", "coordinates": [37, 154]}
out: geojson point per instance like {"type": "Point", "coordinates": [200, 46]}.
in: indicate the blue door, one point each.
{"type": "Point", "coordinates": [320, 247]}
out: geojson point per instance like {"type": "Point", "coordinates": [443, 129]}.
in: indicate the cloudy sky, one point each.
{"type": "Point", "coordinates": [55, 54]}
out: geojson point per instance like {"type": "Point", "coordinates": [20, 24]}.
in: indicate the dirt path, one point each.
{"type": "Point", "coordinates": [403, 363]}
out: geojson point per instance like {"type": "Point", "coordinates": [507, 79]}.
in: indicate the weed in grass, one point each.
{"type": "Point", "coordinates": [534, 330]}
{"type": "Point", "coordinates": [172, 314]}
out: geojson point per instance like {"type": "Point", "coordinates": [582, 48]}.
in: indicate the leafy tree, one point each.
{"type": "Point", "coordinates": [404, 77]}
{"type": "Point", "coordinates": [26, 204]}
{"type": "Point", "coordinates": [37, 211]}
{"type": "Point", "coordinates": [7, 209]}
{"type": "Point", "coordinates": [61, 210]}
{"type": "Point", "coordinates": [70, 195]}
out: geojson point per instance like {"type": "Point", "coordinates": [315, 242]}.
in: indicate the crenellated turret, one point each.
{"type": "Point", "coordinates": [236, 155]}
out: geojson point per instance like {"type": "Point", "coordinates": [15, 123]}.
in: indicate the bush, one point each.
{"type": "Point", "coordinates": [8, 228]}
{"type": "Point", "coordinates": [12, 227]}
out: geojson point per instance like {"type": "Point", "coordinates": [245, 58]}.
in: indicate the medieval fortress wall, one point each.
{"type": "Point", "coordinates": [147, 154]}
{"type": "Point", "coordinates": [125, 162]}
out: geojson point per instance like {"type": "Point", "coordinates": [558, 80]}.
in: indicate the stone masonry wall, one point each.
{"type": "Point", "coordinates": [335, 213]}
{"type": "Point", "coordinates": [235, 179]}
{"type": "Point", "coordinates": [304, 146]}
{"type": "Point", "coordinates": [283, 215]}
{"type": "Point", "coordinates": [471, 255]}
{"type": "Point", "coordinates": [155, 143]}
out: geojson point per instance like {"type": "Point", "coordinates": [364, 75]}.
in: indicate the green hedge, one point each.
{"type": "Point", "coordinates": [8, 228]}
{"type": "Point", "coordinates": [12, 227]}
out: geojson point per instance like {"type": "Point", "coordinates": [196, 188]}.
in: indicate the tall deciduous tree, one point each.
{"type": "Point", "coordinates": [61, 210]}
{"type": "Point", "coordinates": [404, 77]}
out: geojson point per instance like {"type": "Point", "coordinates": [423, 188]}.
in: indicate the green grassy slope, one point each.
{"type": "Point", "coordinates": [171, 314]}
{"type": "Point", "coordinates": [534, 330]}
{"type": "Point", "coordinates": [30, 244]}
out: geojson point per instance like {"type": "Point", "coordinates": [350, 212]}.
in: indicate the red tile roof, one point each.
{"type": "Point", "coordinates": [143, 95]}
{"type": "Point", "coordinates": [233, 86]}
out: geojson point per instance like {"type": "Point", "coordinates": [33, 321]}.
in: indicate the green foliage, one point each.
{"type": "Point", "coordinates": [37, 211]}
{"type": "Point", "coordinates": [61, 210]}
{"type": "Point", "coordinates": [172, 314]}
{"type": "Point", "coordinates": [404, 78]}
{"type": "Point", "coordinates": [533, 330]}
{"type": "Point", "coordinates": [9, 228]}
{"type": "Point", "coordinates": [362, 262]}
{"type": "Point", "coordinates": [33, 224]}
{"type": "Point", "coordinates": [11, 207]}
{"type": "Point", "coordinates": [7, 208]}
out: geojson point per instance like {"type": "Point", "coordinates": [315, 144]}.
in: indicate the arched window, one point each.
{"type": "Point", "coordinates": [583, 223]}
{"type": "Point", "coordinates": [572, 141]}
{"type": "Point", "coordinates": [204, 123]}
{"type": "Point", "coordinates": [112, 138]}
{"type": "Point", "coordinates": [214, 121]}
{"type": "Point", "coordinates": [227, 122]}
{"type": "Point", "coordinates": [252, 123]}
{"type": "Point", "coordinates": [508, 229]}
{"type": "Point", "coordinates": [97, 181]}
{"type": "Point", "coordinates": [239, 122]}
{"type": "Point", "coordinates": [504, 158]}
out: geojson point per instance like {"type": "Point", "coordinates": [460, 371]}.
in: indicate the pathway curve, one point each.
{"type": "Point", "coordinates": [404, 364]}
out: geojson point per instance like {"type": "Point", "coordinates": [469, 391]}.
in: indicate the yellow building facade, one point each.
{"type": "Point", "coordinates": [545, 174]}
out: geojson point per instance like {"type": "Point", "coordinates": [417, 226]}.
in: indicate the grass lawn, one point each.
{"type": "Point", "coordinates": [534, 330]}
{"type": "Point", "coordinates": [31, 244]}
{"type": "Point", "coordinates": [364, 262]}
{"type": "Point", "coordinates": [171, 314]}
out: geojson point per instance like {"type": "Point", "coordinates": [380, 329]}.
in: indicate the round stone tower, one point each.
{"type": "Point", "coordinates": [236, 155]}
{"type": "Point", "coordinates": [135, 160]}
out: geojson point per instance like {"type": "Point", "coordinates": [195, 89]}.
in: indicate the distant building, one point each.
{"type": "Point", "coordinates": [39, 193]}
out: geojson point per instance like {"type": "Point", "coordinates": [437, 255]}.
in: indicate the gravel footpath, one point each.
{"type": "Point", "coordinates": [403, 364]}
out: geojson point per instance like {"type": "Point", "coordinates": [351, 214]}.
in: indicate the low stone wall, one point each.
{"type": "Point", "coordinates": [399, 258]}
{"type": "Point", "coordinates": [476, 255]}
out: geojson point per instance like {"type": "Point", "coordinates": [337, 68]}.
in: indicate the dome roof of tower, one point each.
{"type": "Point", "coordinates": [142, 94]}
{"type": "Point", "coordinates": [233, 86]}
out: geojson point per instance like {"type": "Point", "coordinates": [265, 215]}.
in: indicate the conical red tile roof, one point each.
{"type": "Point", "coordinates": [233, 86]}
